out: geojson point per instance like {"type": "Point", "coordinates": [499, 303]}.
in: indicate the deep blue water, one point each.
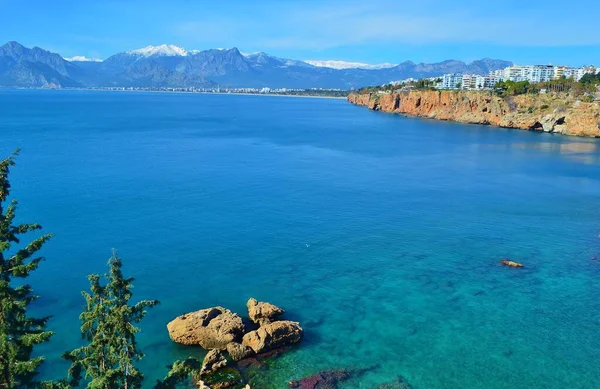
{"type": "Point", "coordinates": [380, 234]}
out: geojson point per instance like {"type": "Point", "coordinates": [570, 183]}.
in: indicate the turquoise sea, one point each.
{"type": "Point", "coordinates": [381, 234]}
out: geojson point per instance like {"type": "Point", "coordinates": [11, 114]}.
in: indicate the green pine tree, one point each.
{"type": "Point", "coordinates": [180, 372]}
{"type": "Point", "coordinates": [108, 327]}
{"type": "Point", "coordinates": [19, 332]}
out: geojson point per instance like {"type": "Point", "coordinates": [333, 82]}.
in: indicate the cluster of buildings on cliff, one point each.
{"type": "Point", "coordinates": [531, 73]}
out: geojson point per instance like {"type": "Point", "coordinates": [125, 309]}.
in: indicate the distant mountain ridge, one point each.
{"type": "Point", "coordinates": [348, 65]}
{"type": "Point", "coordinates": [173, 66]}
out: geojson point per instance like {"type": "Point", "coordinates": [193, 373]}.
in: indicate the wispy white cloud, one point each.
{"type": "Point", "coordinates": [341, 24]}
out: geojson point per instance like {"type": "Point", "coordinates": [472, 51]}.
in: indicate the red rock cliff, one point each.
{"type": "Point", "coordinates": [547, 113]}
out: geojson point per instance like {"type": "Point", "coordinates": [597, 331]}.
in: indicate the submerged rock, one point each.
{"type": "Point", "coordinates": [509, 263]}
{"type": "Point", "coordinates": [213, 361]}
{"type": "Point", "coordinates": [263, 313]}
{"type": "Point", "coordinates": [400, 383]}
{"type": "Point", "coordinates": [238, 351]}
{"type": "Point", "coordinates": [329, 379]}
{"type": "Point", "coordinates": [227, 377]}
{"type": "Point", "coordinates": [211, 328]}
{"type": "Point", "coordinates": [322, 380]}
{"type": "Point", "coordinates": [273, 335]}
{"type": "Point", "coordinates": [259, 361]}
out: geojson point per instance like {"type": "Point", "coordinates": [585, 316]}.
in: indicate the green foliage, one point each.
{"type": "Point", "coordinates": [587, 99]}
{"type": "Point", "coordinates": [590, 78]}
{"type": "Point", "coordinates": [19, 332]}
{"type": "Point", "coordinates": [227, 377]}
{"type": "Point", "coordinates": [512, 88]}
{"type": "Point", "coordinates": [559, 85]}
{"type": "Point", "coordinates": [424, 84]}
{"type": "Point", "coordinates": [375, 89]}
{"type": "Point", "coordinates": [107, 359]}
{"type": "Point", "coordinates": [421, 84]}
{"type": "Point", "coordinates": [180, 372]}
{"type": "Point", "coordinates": [108, 327]}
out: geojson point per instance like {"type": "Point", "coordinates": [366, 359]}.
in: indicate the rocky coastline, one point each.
{"type": "Point", "coordinates": [543, 112]}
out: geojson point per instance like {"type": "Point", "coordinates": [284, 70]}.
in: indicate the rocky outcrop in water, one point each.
{"type": "Point", "coordinates": [273, 335]}
{"type": "Point", "coordinates": [263, 313]}
{"type": "Point", "coordinates": [212, 328]}
{"type": "Point", "coordinates": [509, 263]}
{"type": "Point", "coordinates": [544, 112]}
{"type": "Point", "coordinates": [217, 329]}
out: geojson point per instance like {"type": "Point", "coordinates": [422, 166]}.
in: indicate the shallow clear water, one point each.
{"type": "Point", "coordinates": [380, 234]}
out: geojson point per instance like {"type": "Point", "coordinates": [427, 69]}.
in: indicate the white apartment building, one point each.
{"type": "Point", "coordinates": [531, 73]}
{"type": "Point", "coordinates": [513, 73]}
{"type": "Point", "coordinates": [472, 82]}
{"type": "Point", "coordinates": [542, 73]}
{"type": "Point", "coordinates": [499, 74]}
{"type": "Point", "coordinates": [563, 71]}
{"type": "Point", "coordinates": [467, 81]}
{"type": "Point", "coordinates": [451, 81]}
{"type": "Point", "coordinates": [575, 73]}
{"type": "Point", "coordinates": [491, 81]}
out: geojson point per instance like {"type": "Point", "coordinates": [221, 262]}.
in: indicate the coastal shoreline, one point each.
{"type": "Point", "coordinates": [539, 113]}
{"type": "Point", "coordinates": [179, 92]}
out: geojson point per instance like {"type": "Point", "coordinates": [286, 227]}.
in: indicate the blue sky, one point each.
{"type": "Point", "coordinates": [525, 31]}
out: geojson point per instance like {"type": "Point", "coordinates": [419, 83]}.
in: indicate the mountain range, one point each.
{"type": "Point", "coordinates": [173, 66]}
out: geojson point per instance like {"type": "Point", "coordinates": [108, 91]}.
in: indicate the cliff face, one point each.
{"type": "Point", "coordinates": [547, 113]}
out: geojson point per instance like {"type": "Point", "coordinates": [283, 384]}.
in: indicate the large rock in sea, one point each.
{"type": "Point", "coordinates": [211, 328]}
{"type": "Point", "coordinates": [263, 313]}
{"type": "Point", "coordinates": [273, 335]}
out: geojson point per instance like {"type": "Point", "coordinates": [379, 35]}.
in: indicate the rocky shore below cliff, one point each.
{"type": "Point", "coordinates": [544, 112]}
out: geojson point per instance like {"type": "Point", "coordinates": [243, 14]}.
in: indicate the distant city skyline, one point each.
{"type": "Point", "coordinates": [538, 32]}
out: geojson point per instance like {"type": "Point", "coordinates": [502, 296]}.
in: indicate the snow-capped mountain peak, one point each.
{"type": "Point", "coordinates": [162, 50]}
{"type": "Point", "coordinates": [245, 54]}
{"type": "Point", "coordinates": [348, 65]}
{"type": "Point", "coordinates": [81, 58]}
